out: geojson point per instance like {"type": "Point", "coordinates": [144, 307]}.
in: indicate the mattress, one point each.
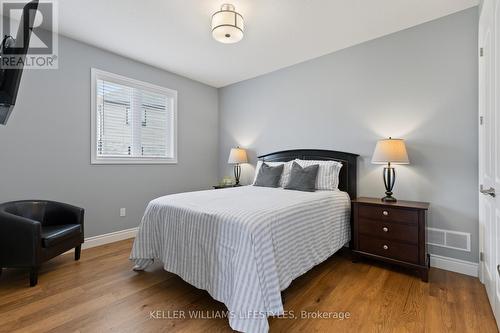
{"type": "Point", "coordinates": [244, 245]}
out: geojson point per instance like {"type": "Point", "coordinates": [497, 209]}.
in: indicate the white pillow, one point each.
{"type": "Point", "coordinates": [284, 176]}
{"type": "Point", "coordinates": [328, 173]}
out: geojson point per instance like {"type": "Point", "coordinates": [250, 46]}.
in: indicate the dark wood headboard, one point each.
{"type": "Point", "coordinates": [348, 173]}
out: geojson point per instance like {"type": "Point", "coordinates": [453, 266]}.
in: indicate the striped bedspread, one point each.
{"type": "Point", "coordinates": [243, 245]}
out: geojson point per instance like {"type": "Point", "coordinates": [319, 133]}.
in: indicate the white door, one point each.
{"type": "Point", "coordinates": [489, 159]}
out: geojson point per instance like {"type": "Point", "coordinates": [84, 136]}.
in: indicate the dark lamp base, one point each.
{"type": "Point", "coordinates": [389, 199]}
{"type": "Point", "coordinates": [389, 179]}
{"type": "Point", "coordinates": [237, 174]}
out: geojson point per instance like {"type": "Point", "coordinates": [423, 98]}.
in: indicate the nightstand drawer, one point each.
{"type": "Point", "coordinates": [388, 214]}
{"type": "Point", "coordinates": [388, 230]}
{"type": "Point", "coordinates": [389, 249]}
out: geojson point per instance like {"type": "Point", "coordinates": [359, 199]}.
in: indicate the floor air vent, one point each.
{"type": "Point", "coordinates": [450, 239]}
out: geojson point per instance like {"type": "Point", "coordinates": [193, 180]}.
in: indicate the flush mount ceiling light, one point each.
{"type": "Point", "coordinates": [227, 25]}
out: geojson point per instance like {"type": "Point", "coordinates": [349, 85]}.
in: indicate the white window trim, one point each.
{"type": "Point", "coordinates": [94, 159]}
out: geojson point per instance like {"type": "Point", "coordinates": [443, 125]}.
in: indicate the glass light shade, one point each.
{"type": "Point", "coordinates": [237, 156]}
{"type": "Point", "coordinates": [227, 25]}
{"type": "Point", "coordinates": [390, 150]}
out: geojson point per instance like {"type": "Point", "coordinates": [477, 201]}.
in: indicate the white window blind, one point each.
{"type": "Point", "coordinates": [132, 121]}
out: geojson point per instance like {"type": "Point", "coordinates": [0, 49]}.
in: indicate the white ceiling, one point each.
{"type": "Point", "coordinates": [175, 34]}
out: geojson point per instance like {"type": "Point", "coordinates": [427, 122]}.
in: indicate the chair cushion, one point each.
{"type": "Point", "coordinates": [55, 234]}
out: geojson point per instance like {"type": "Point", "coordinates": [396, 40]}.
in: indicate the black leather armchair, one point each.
{"type": "Point", "coordinates": [32, 232]}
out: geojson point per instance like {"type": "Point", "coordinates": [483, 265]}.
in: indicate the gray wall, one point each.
{"type": "Point", "coordinates": [45, 148]}
{"type": "Point", "coordinates": [419, 84]}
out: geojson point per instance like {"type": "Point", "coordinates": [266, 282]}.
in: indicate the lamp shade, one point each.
{"type": "Point", "coordinates": [237, 156]}
{"type": "Point", "coordinates": [227, 25]}
{"type": "Point", "coordinates": [390, 151]}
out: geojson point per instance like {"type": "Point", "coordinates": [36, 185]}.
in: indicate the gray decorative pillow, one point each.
{"type": "Point", "coordinates": [302, 179]}
{"type": "Point", "coordinates": [269, 176]}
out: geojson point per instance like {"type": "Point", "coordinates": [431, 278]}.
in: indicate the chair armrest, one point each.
{"type": "Point", "coordinates": [58, 213]}
{"type": "Point", "coordinates": [61, 213]}
{"type": "Point", "coordinates": [20, 241]}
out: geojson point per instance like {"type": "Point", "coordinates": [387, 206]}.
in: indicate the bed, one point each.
{"type": "Point", "coordinates": [244, 245]}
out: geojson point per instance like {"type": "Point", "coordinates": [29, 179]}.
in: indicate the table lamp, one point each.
{"type": "Point", "coordinates": [390, 151]}
{"type": "Point", "coordinates": [237, 156]}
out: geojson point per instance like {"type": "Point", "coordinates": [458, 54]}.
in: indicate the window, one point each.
{"type": "Point", "coordinates": [133, 122]}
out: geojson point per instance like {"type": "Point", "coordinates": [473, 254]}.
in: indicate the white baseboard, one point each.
{"type": "Point", "coordinates": [446, 263]}
{"type": "Point", "coordinates": [109, 238]}
{"type": "Point", "coordinates": [455, 265]}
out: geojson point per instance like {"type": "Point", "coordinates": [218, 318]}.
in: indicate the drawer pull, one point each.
{"type": "Point", "coordinates": [385, 247]}
{"type": "Point", "coordinates": [385, 213]}
{"type": "Point", "coordinates": [385, 229]}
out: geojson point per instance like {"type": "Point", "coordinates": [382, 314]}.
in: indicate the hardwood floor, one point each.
{"type": "Point", "coordinates": [101, 293]}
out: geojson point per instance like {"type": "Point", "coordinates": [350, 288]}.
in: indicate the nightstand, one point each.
{"type": "Point", "coordinates": [217, 187]}
{"type": "Point", "coordinates": [394, 232]}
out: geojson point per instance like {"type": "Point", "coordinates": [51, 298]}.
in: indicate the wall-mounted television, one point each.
{"type": "Point", "coordinates": [10, 78]}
